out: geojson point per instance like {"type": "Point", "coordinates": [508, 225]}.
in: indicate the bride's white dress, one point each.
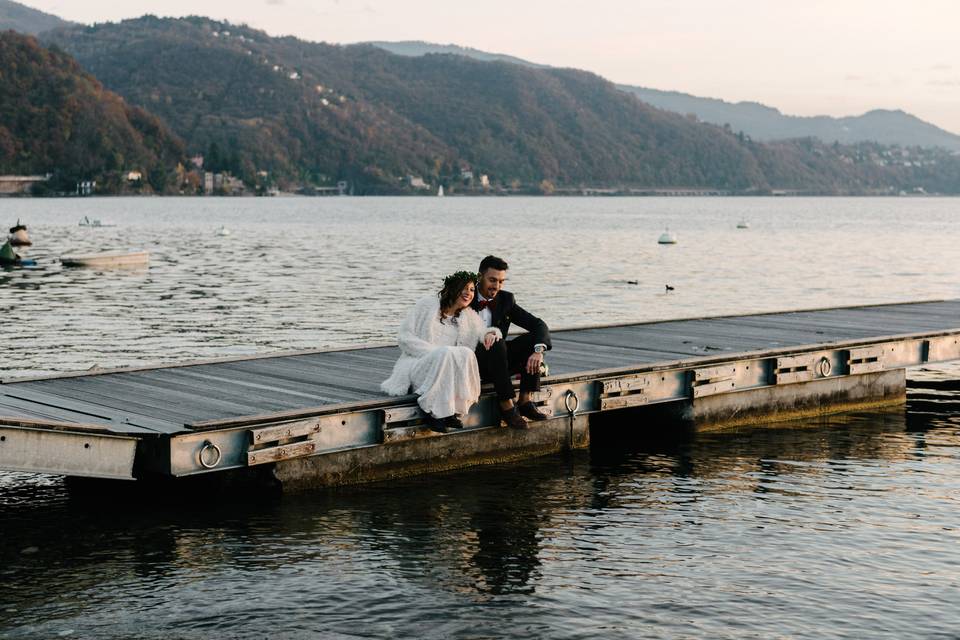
{"type": "Point", "coordinates": [437, 360]}
{"type": "Point", "coordinates": [447, 378]}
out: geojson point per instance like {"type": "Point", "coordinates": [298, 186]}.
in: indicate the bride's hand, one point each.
{"type": "Point", "coordinates": [489, 340]}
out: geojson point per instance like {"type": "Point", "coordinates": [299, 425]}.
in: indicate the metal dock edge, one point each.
{"type": "Point", "coordinates": [131, 425]}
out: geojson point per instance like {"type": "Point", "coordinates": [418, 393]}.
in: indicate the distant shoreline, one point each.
{"type": "Point", "coordinates": [489, 195]}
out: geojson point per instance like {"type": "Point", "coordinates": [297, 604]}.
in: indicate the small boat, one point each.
{"type": "Point", "coordinates": [743, 224]}
{"type": "Point", "coordinates": [667, 237]}
{"type": "Point", "coordinates": [19, 236]}
{"type": "Point", "coordinates": [440, 191]}
{"type": "Point", "coordinates": [222, 231]}
{"type": "Point", "coordinates": [87, 222]}
{"type": "Point", "coordinates": [107, 259]}
{"type": "Point", "coordinates": [10, 258]}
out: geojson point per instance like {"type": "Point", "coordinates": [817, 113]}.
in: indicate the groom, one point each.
{"type": "Point", "coordinates": [500, 359]}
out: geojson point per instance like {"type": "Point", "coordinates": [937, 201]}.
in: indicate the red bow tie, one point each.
{"type": "Point", "coordinates": [483, 304]}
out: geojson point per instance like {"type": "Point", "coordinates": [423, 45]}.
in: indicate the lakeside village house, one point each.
{"type": "Point", "coordinates": [466, 175]}
{"type": "Point", "coordinates": [17, 185]}
{"type": "Point", "coordinates": [11, 185]}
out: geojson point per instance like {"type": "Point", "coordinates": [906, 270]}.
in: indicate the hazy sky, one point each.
{"type": "Point", "coordinates": [807, 57]}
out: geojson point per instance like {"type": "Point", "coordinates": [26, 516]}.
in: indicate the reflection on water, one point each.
{"type": "Point", "coordinates": [842, 526]}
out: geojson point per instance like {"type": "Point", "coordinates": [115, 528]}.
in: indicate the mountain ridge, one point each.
{"type": "Point", "coordinates": [314, 113]}
{"type": "Point", "coordinates": [21, 18]}
{"type": "Point", "coordinates": [761, 122]}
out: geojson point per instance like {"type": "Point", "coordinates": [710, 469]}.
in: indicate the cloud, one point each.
{"type": "Point", "coordinates": [942, 67]}
{"type": "Point", "coordinates": [948, 83]}
{"type": "Point", "coordinates": [850, 77]}
{"type": "Point", "coordinates": [275, 3]}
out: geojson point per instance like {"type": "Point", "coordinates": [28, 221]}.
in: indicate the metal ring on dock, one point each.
{"type": "Point", "coordinates": [207, 446]}
{"type": "Point", "coordinates": [823, 367]}
{"type": "Point", "coordinates": [571, 395]}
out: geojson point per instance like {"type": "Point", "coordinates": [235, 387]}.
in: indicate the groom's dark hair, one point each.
{"type": "Point", "coordinates": [493, 262]}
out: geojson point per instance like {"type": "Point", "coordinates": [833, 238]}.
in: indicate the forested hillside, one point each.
{"type": "Point", "coordinates": [55, 118]}
{"type": "Point", "coordinates": [316, 113]}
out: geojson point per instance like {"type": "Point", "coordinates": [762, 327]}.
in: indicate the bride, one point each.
{"type": "Point", "coordinates": [437, 361]}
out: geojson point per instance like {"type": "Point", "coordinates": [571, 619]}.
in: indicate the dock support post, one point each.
{"type": "Point", "coordinates": [791, 401]}
{"type": "Point", "coordinates": [433, 453]}
{"type": "Point", "coordinates": [760, 405]}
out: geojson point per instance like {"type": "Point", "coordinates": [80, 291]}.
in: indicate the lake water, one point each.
{"type": "Point", "coordinates": [840, 527]}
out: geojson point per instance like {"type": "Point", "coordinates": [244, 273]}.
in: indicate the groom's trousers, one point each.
{"type": "Point", "coordinates": [504, 359]}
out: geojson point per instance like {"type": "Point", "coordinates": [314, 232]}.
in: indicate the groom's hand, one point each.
{"type": "Point", "coordinates": [533, 363]}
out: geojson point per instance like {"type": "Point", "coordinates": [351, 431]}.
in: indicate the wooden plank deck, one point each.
{"type": "Point", "coordinates": [168, 399]}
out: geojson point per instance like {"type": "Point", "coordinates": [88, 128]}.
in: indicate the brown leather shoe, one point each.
{"type": "Point", "coordinates": [513, 419]}
{"type": "Point", "coordinates": [529, 410]}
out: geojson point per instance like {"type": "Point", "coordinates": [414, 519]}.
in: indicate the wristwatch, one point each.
{"type": "Point", "coordinates": [539, 348]}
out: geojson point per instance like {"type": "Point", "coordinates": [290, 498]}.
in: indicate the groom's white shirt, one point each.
{"type": "Point", "coordinates": [485, 314]}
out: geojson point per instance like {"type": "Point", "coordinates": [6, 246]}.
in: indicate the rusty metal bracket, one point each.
{"type": "Point", "coordinates": [281, 442]}
{"type": "Point", "coordinates": [710, 381]}
{"type": "Point", "coordinates": [865, 359]}
{"type": "Point", "coordinates": [620, 393]}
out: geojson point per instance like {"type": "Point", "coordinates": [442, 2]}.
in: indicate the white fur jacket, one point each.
{"type": "Point", "coordinates": [418, 337]}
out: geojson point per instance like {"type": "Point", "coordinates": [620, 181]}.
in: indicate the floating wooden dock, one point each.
{"type": "Point", "coordinates": [318, 417]}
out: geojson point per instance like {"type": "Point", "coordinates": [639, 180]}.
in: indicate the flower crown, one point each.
{"type": "Point", "coordinates": [460, 276]}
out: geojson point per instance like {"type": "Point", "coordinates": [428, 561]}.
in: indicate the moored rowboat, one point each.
{"type": "Point", "coordinates": [107, 259]}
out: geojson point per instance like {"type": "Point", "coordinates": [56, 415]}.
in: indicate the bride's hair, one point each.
{"type": "Point", "coordinates": [453, 284]}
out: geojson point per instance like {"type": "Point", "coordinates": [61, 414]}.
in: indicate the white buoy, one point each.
{"type": "Point", "coordinates": [667, 237]}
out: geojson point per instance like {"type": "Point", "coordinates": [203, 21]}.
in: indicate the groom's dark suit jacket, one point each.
{"type": "Point", "coordinates": [506, 311]}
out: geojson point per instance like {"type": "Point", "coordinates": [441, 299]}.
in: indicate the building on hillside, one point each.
{"type": "Point", "coordinates": [417, 182]}
{"type": "Point", "coordinates": [16, 185]}
{"type": "Point", "coordinates": [222, 183]}
{"type": "Point", "coordinates": [233, 186]}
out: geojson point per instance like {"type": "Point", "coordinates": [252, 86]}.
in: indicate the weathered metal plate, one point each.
{"type": "Point", "coordinates": [622, 402]}
{"type": "Point", "coordinates": [68, 454]}
{"type": "Point", "coordinates": [867, 353]}
{"type": "Point", "coordinates": [403, 414]}
{"type": "Point", "coordinates": [789, 377]}
{"type": "Point", "coordinates": [865, 359]}
{"type": "Point", "coordinates": [803, 367]}
{"type": "Point", "coordinates": [943, 348]}
{"type": "Point", "coordinates": [543, 395]}
{"type": "Point", "coordinates": [632, 383]}
{"type": "Point", "coordinates": [401, 434]}
{"type": "Point", "coordinates": [296, 429]}
{"type": "Point", "coordinates": [714, 374]}
{"type": "Point", "coordinates": [803, 361]}
{"type": "Point", "coordinates": [281, 452]}
{"type": "Point", "coordinates": [712, 389]}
